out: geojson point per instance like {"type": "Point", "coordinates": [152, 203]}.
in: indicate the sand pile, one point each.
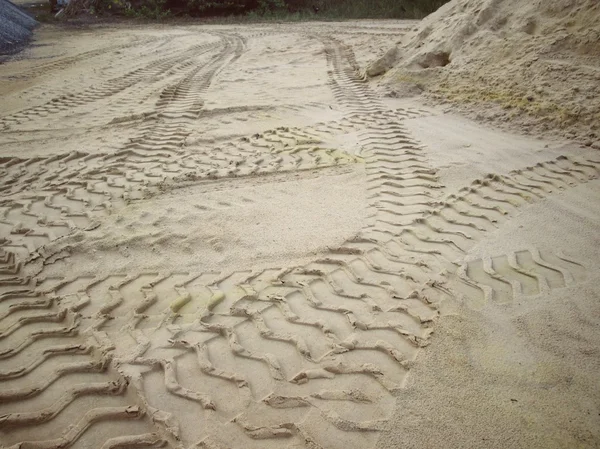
{"type": "Point", "coordinates": [15, 27]}
{"type": "Point", "coordinates": [536, 63]}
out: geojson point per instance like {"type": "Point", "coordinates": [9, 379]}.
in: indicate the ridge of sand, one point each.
{"type": "Point", "coordinates": [535, 65]}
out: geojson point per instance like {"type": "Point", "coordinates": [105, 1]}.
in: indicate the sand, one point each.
{"type": "Point", "coordinates": [225, 237]}
{"type": "Point", "coordinates": [521, 374]}
{"type": "Point", "coordinates": [532, 64]}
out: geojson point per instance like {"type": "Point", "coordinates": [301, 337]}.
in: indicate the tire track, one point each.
{"type": "Point", "coordinates": [42, 348]}
{"type": "Point", "coordinates": [283, 357]}
{"type": "Point", "coordinates": [524, 273]}
{"type": "Point", "coordinates": [348, 86]}
{"type": "Point", "coordinates": [182, 102]}
{"type": "Point", "coordinates": [75, 191]}
{"type": "Point", "coordinates": [79, 188]}
{"type": "Point", "coordinates": [296, 345]}
{"type": "Point", "coordinates": [43, 69]}
{"type": "Point", "coordinates": [451, 227]}
{"type": "Point", "coordinates": [41, 173]}
{"type": "Point", "coordinates": [403, 185]}
{"type": "Point", "coordinates": [265, 318]}
{"type": "Point", "coordinates": [292, 356]}
{"type": "Point", "coordinates": [110, 87]}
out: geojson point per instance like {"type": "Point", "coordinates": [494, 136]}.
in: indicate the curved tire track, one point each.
{"type": "Point", "coordinates": [287, 356]}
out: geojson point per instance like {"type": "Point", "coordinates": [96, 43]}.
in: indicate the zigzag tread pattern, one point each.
{"type": "Point", "coordinates": [283, 357]}
{"type": "Point", "coordinates": [294, 345]}
{"type": "Point", "coordinates": [520, 274]}
{"type": "Point", "coordinates": [44, 68]}
{"type": "Point", "coordinates": [42, 352]}
{"type": "Point", "coordinates": [111, 87]}
{"type": "Point", "coordinates": [358, 315]}
{"type": "Point", "coordinates": [442, 236]}
{"type": "Point", "coordinates": [77, 188]}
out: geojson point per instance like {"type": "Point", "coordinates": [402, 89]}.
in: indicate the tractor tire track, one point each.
{"type": "Point", "coordinates": [110, 87]}
{"type": "Point", "coordinates": [294, 356]}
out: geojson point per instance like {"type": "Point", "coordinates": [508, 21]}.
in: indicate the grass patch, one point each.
{"type": "Point", "coordinates": [379, 9]}
{"type": "Point", "coordinates": [250, 11]}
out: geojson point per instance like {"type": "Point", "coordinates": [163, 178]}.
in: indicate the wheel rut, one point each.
{"type": "Point", "coordinates": [299, 355]}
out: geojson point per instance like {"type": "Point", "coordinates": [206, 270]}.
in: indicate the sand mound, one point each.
{"type": "Point", "coordinates": [538, 61]}
{"type": "Point", "coordinates": [15, 27]}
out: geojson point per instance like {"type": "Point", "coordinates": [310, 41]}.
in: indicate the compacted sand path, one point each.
{"type": "Point", "coordinates": [223, 237]}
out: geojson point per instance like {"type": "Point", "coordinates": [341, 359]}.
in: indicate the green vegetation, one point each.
{"type": "Point", "coordinates": [149, 9]}
{"type": "Point", "coordinates": [380, 9]}
{"type": "Point", "coordinates": [272, 9]}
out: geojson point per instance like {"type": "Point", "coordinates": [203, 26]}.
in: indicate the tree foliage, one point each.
{"type": "Point", "coordinates": [281, 8]}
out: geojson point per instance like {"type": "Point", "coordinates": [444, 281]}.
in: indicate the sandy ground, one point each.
{"type": "Point", "coordinates": [222, 237]}
{"type": "Point", "coordinates": [506, 62]}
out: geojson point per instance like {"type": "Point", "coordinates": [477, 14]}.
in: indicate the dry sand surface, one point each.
{"type": "Point", "coordinates": [535, 63]}
{"type": "Point", "coordinates": [224, 237]}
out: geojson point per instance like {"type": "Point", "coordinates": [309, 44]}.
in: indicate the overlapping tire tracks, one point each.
{"type": "Point", "coordinates": [300, 356]}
